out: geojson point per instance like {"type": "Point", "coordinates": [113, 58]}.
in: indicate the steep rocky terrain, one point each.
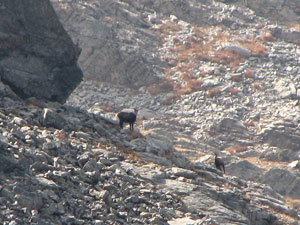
{"type": "Point", "coordinates": [207, 76]}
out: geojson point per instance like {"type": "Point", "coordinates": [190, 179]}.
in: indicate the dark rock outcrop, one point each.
{"type": "Point", "coordinates": [283, 138]}
{"type": "Point", "coordinates": [283, 181]}
{"type": "Point", "coordinates": [244, 170]}
{"type": "Point", "coordinates": [37, 57]}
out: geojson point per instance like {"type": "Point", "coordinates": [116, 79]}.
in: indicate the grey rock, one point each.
{"type": "Point", "coordinates": [7, 194]}
{"type": "Point", "coordinates": [138, 144]}
{"type": "Point", "coordinates": [32, 62]}
{"type": "Point", "coordinates": [184, 173]}
{"type": "Point", "coordinates": [157, 220]}
{"type": "Point", "coordinates": [84, 136]}
{"type": "Point", "coordinates": [145, 114]}
{"type": "Point", "coordinates": [82, 159]}
{"type": "Point", "coordinates": [181, 188]}
{"type": "Point", "coordinates": [185, 220]}
{"type": "Point", "coordinates": [285, 88]}
{"type": "Point", "coordinates": [207, 83]}
{"type": "Point", "coordinates": [8, 163]}
{"type": "Point", "coordinates": [232, 126]}
{"type": "Point", "coordinates": [291, 36]}
{"type": "Point", "coordinates": [282, 181]}
{"type": "Point", "coordinates": [44, 182]}
{"type": "Point", "coordinates": [295, 164]}
{"type": "Point", "coordinates": [53, 119]}
{"type": "Point", "coordinates": [244, 170]}
{"type": "Point", "coordinates": [153, 158]}
{"type": "Point", "coordinates": [92, 165]}
{"type": "Point", "coordinates": [41, 167]}
{"type": "Point", "coordinates": [250, 153]}
{"type": "Point", "coordinates": [281, 138]}
{"type": "Point", "coordinates": [279, 207]}
{"type": "Point", "coordinates": [238, 50]}
{"type": "Point", "coordinates": [157, 144]}
{"type": "Point", "coordinates": [278, 155]}
{"type": "Point", "coordinates": [30, 200]}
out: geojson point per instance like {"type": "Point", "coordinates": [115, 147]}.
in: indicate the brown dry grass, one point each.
{"type": "Point", "coordinates": [258, 86]}
{"type": "Point", "coordinates": [191, 86]}
{"type": "Point", "coordinates": [164, 86]}
{"type": "Point", "coordinates": [229, 58]}
{"type": "Point", "coordinates": [249, 73]}
{"type": "Point", "coordinates": [172, 99]}
{"type": "Point", "coordinates": [237, 78]}
{"type": "Point", "coordinates": [256, 46]}
{"type": "Point", "coordinates": [236, 149]}
{"type": "Point", "coordinates": [265, 164]}
{"type": "Point", "coordinates": [167, 29]}
{"type": "Point", "coordinates": [267, 36]}
{"type": "Point", "coordinates": [133, 156]}
{"type": "Point", "coordinates": [294, 25]}
{"type": "Point", "coordinates": [212, 92]}
{"type": "Point", "coordinates": [61, 136]}
{"type": "Point", "coordinates": [234, 91]}
{"type": "Point", "coordinates": [107, 108]}
{"type": "Point", "coordinates": [294, 203]}
{"type": "Point", "coordinates": [249, 123]}
{"type": "Point", "coordinates": [204, 45]}
{"type": "Point", "coordinates": [195, 84]}
{"type": "Point", "coordinates": [186, 75]}
{"type": "Point", "coordinates": [184, 90]}
{"type": "Point", "coordinates": [129, 153]}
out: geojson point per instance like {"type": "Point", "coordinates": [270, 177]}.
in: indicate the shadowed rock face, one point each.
{"type": "Point", "coordinates": [37, 57]}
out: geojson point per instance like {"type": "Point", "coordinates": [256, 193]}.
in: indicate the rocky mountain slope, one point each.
{"type": "Point", "coordinates": [63, 165]}
{"type": "Point", "coordinates": [229, 80]}
{"type": "Point", "coordinates": [206, 76]}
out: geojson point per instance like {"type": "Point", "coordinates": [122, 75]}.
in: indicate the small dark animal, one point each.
{"type": "Point", "coordinates": [127, 117]}
{"type": "Point", "coordinates": [219, 163]}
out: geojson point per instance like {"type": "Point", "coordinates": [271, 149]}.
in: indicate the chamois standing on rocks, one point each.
{"type": "Point", "coordinates": [127, 117]}
{"type": "Point", "coordinates": [219, 163]}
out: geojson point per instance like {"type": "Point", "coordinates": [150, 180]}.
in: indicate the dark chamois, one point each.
{"type": "Point", "coordinates": [127, 117]}
{"type": "Point", "coordinates": [219, 163]}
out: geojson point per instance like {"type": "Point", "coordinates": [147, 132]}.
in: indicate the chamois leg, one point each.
{"type": "Point", "coordinates": [131, 126]}
{"type": "Point", "coordinates": [121, 124]}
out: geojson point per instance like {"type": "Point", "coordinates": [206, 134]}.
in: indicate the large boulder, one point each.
{"type": "Point", "coordinates": [283, 181]}
{"type": "Point", "coordinates": [284, 138]}
{"type": "Point", "coordinates": [244, 170]}
{"type": "Point", "coordinates": [37, 57]}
